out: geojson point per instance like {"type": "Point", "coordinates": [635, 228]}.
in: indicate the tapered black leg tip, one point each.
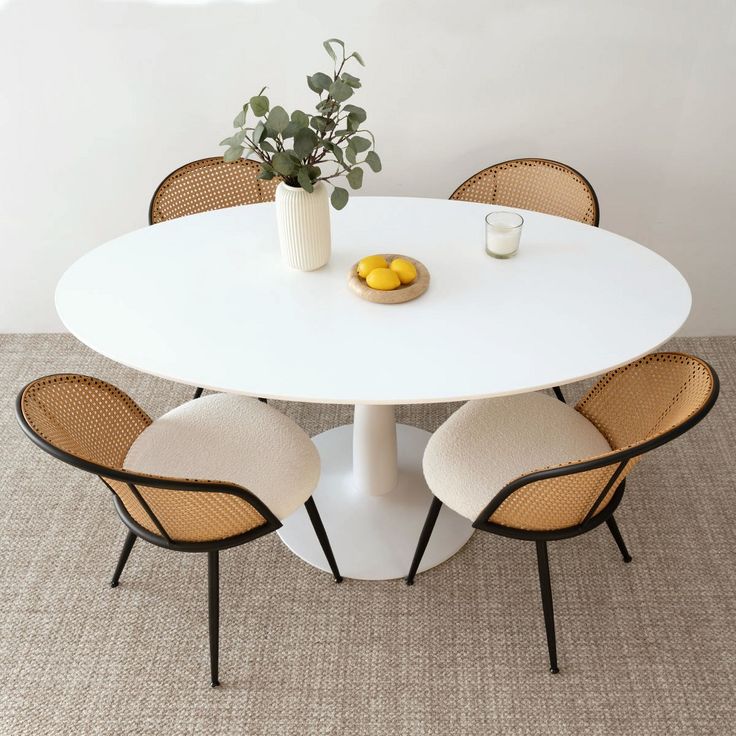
{"type": "Point", "coordinates": [554, 670]}
{"type": "Point", "coordinates": [409, 581]}
{"type": "Point", "coordinates": [114, 584]}
{"type": "Point", "coordinates": [215, 683]}
{"type": "Point", "coordinates": [338, 578]}
{"type": "Point", "coordinates": [628, 558]}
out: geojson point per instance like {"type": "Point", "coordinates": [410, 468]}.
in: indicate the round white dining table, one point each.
{"type": "Point", "coordinates": [205, 300]}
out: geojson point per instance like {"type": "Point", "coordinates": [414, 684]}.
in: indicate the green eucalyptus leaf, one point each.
{"type": "Point", "coordinates": [259, 105]}
{"type": "Point", "coordinates": [291, 130]}
{"type": "Point", "coordinates": [329, 50]}
{"type": "Point", "coordinates": [277, 119]}
{"type": "Point", "coordinates": [302, 176]}
{"type": "Point", "coordinates": [312, 85]}
{"type": "Point", "coordinates": [239, 121]}
{"type": "Point", "coordinates": [265, 174]}
{"type": "Point", "coordinates": [326, 105]}
{"type": "Point", "coordinates": [314, 172]}
{"type": "Point", "coordinates": [259, 132]}
{"type": "Point", "coordinates": [355, 177]}
{"type": "Point", "coordinates": [372, 159]}
{"type": "Point", "coordinates": [350, 153]}
{"type": "Point", "coordinates": [322, 124]}
{"type": "Point", "coordinates": [350, 80]}
{"type": "Point", "coordinates": [353, 123]}
{"type": "Point", "coordinates": [355, 55]}
{"type": "Point", "coordinates": [340, 91]}
{"type": "Point", "coordinates": [266, 146]}
{"type": "Point", "coordinates": [358, 112]}
{"type": "Point", "coordinates": [235, 139]}
{"type": "Point", "coordinates": [319, 82]}
{"type": "Point", "coordinates": [233, 153]}
{"type": "Point", "coordinates": [283, 164]}
{"type": "Point", "coordinates": [334, 149]}
{"type": "Point", "coordinates": [300, 118]}
{"type": "Point", "coordinates": [305, 141]}
{"type": "Point", "coordinates": [298, 121]}
{"type": "Point", "coordinates": [360, 144]}
{"type": "Point", "coordinates": [339, 197]}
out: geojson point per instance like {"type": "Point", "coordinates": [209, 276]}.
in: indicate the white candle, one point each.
{"type": "Point", "coordinates": [503, 232]}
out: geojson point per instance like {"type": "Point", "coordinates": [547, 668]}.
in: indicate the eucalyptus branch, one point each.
{"type": "Point", "coordinates": [300, 144]}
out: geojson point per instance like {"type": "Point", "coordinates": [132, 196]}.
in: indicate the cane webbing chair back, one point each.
{"type": "Point", "coordinates": [534, 184]}
{"type": "Point", "coordinates": [210, 184]}
{"type": "Point", "coordinates": [91, 424]}
{"type": "Point", "coordinates": [637, 407]}
{"type": "Point", "coordinates": [188, 516]}
{"type": "Point", "coordinates": [84, 417]}
{"type": "Point", "coordinates": [646, 399]}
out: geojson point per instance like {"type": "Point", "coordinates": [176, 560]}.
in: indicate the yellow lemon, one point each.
{"type": "Point", "coordinates": [384, 279]}
{"type": "Point", "coordinates": [404, 269]}
{"type": "Point", "coordinates": [368, 263]}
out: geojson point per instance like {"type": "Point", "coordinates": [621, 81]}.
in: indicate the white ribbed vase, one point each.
{"type": "Point", "coordinates": [304, 226]}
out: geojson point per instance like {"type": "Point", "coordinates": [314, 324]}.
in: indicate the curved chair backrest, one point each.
{"type": "Point", "coordinates": [91, 425]}
{"type": "Point", "coordinates": [210, 184]}
{"type": "Point", "coordinates": [534, 184]}
{"type": "Point", "coordinates": [637, 407]}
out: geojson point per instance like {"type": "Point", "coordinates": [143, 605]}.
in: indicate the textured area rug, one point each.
{"type": "Point", "coordinates": [645, 648]}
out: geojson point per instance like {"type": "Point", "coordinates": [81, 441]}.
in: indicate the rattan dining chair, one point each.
{"type": "Point", "coordinates": [630, 411]}
{"type": "Point", "coordinates": [96, 427]}
{"type": "Point", "coordinates": [535, 184]}
{"type": "Point", "coordinates": [209, 184]}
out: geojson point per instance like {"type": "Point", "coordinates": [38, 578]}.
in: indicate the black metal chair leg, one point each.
{"type": "Point", "coordinates": [127, 546]}
{"type": "Point", "coordinates": [319, 530]}
{"type": "Point", "coordinates": [613, 526]}
{"type": "Point", "coordinates": [559, 394]}
{"type": "Point", "coordinates": [549, 614]}
{"type": "Point", "coordinates": [213, 605]}
{"type": "Point", "coordinates": [429, 522]}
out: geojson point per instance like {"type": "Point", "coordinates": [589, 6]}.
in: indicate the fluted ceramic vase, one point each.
{"type": "Point", "coordinates": [304, 226]}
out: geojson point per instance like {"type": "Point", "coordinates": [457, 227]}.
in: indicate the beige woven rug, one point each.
{"type": "Point", "coordinates": [646, 648]}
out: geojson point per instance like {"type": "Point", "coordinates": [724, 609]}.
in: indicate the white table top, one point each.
{"type": "Point", "coordinates": [205, 300]}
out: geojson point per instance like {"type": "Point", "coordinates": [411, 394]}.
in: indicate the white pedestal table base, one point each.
{"type": "Point", "coordinates": [373, 537]}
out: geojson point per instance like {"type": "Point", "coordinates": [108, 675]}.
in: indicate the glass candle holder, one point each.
{"type": "Point", "coordinates": [503, 232]}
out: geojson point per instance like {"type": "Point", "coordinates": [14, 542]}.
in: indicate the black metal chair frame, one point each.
{"type": "Point", "coordinates": [135, 530]}
{"type": "Point", "coordinates": [617, 460]}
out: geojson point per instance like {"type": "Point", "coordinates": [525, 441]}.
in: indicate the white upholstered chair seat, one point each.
{"type": "Point", "coordinates": [488, 443]}
{"type": "Point", "coordinates": [234, 439]}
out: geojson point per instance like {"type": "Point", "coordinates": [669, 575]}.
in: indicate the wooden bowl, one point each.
{"type": "Point", "coordinates": [403, 293]}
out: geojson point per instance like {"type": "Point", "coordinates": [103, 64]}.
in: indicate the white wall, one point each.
{"type": "Point", "coordinates": [99, 99]}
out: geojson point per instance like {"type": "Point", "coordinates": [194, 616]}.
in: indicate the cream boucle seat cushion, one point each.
{"type": "Point", "coordinates": [488, 443]}
{"type": "Point", "coordinates": [235, 439]}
